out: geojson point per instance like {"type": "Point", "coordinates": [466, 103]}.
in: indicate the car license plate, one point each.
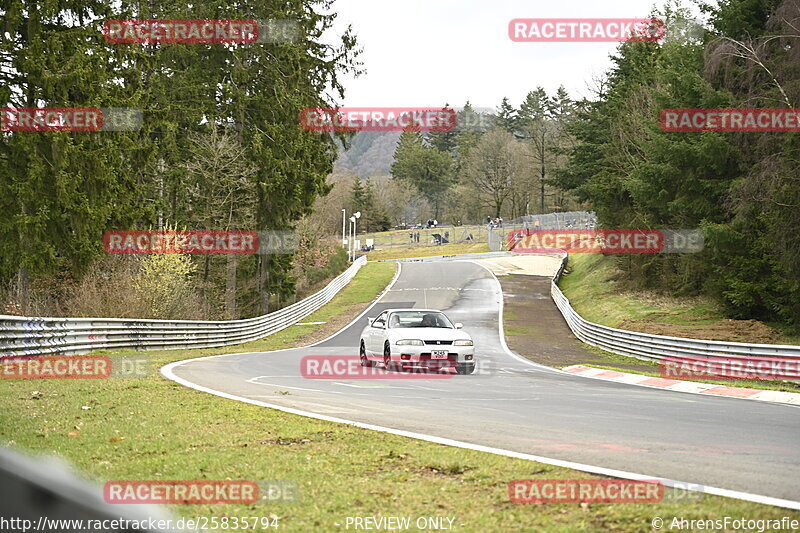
{"type": "Point", "coordinates": [438, 354]}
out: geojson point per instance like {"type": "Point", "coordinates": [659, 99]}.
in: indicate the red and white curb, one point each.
{"type": "Point", "coordinates": [685, 386]}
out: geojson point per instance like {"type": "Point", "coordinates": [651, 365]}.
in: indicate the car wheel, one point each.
{"type": "Point", "coordinates": [362, 354]}
{"type": "Point", "coordinates": [387, 357]}
{"type": "Point", "coordinates": [465, 368]}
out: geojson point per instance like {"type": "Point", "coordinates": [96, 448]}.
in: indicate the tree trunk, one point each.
{"type": "Point", "coordinates": [230, 287]}
{"type": "Point", "coordinates": [542, 191]}
{"type": "Point", "coordinates": [263, 281]}
{"type": "Point", "coordinates": [23, 291]}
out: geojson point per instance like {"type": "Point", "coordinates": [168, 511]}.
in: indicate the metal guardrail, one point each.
{"type": "Point", "coordinates": [657, 347]}
{"type": "Point", "coordinates": [498, 237]}
{"type": "Point", "coordinates": [24, 336]}
{"type": "Point", "coordinates": [567, 220]}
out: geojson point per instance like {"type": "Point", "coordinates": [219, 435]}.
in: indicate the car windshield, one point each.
{"type": "Point", "coordinates": [419, 319]}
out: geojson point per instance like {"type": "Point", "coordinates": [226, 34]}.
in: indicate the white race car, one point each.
{"type": "Point", "coordinates": [421, 337]}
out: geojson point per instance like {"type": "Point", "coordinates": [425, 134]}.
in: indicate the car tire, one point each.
{"type": "Point", "coordinates": [362, 355]}
{"type": "Point", "coordinates": [465, 368]}
{"type": "Point", "coordinates": [387, 357]}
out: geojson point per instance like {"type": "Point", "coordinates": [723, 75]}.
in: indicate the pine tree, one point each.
{"type": "Point", "coordinates": [469, 130]}
{"type": "Point", "coordinates": [445, 140]}
{"type": "Point", "coordinates": [424, 167]}
{"type": "Point", "coordinates": [506, 116]}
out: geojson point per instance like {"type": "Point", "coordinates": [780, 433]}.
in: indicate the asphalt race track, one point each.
{"type": "Point", "coordinates": [515, 405]}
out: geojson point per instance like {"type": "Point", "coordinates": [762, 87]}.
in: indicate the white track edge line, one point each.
{"type": "Point", "coordinates": [543, 368]}
{"type": "Point", "coordinates": [167, 372]}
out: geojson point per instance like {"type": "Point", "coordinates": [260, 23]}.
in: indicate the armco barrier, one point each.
{"type": "Point", "coordinates": [655, 347]}
{"type": "Point", "coordinates": [22, 336]}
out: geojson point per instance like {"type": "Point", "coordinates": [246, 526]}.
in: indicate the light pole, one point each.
{"type": "Point", "coordinates": [343, 217]}
{"type": "Point", "coordinates": [350, 244]}
{"type": "Point", "coordinates": [357, 215]}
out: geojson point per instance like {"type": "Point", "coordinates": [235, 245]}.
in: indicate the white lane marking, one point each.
{"type": "Point", "coordinates": [381, 386]}
{"type": "Point", "coordinates": [287, 387]}
{"type": "Point", "coordinates": [351, 385]}
{"type": "Point", "coordinates": [417, 289]}
{"type": "Point", "coordinates": [420, 387]}
{"type": "Point", "coordinates": [542, 368]}
{"type": "Point", "coordinates": [167, 372]}
{"type": "Point", "coordinates": [500, 330]}
{"type": "Point", "coordinates": [428, 289]}
{"type": "Point", "coordinates": [363, 313]}
{"type": "Point", "coordinates": [252, 380]}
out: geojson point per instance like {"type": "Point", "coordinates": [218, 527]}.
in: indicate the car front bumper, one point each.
{"type": "Point", "coordinates": [424, 354]}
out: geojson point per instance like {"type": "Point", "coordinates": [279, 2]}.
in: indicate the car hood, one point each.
{"type": "Point", "coordinates": [429, 334]}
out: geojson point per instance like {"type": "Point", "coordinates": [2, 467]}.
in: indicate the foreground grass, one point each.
{"type": "Point", "coordinates": [152, 428]}
{"type": "Point", "coordinates": [428, 251]}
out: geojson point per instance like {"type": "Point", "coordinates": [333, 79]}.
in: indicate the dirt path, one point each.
{"type": "Point", "coordinates": [535, 328]}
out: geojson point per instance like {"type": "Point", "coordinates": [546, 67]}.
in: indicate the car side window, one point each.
{"type": "Point", "coordinates": [380, 321]}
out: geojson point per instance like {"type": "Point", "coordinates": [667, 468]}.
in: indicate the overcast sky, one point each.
{"type": "Point", "coordinates": [431, 52]}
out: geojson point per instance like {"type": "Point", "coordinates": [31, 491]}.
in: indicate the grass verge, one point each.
{"type": "Point", "coordinates": [152, 428]}
{"type": "Point", "coordinates": [593, 292]}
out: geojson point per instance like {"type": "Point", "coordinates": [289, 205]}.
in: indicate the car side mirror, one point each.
{"type": "Point", "coordinates": [459, 325]}
{"type": "Point", "coordinates": [370, 319]}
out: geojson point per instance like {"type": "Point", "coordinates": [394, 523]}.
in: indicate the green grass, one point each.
{"type": "Point", "coordinates": [593, 294]}
{"type": "Point", "coordinates": [152, 428]}
{"type": "Point", "coordinates": [428, 251]}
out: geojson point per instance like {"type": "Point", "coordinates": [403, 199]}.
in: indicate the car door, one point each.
{"type": "Point", "coordinates": [377, 333]}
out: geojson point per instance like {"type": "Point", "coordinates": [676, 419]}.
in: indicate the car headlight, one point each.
{"type": "Point", "coordinates": [412, 342]}
{"type": "Point", "coordinates": [462, 342]}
